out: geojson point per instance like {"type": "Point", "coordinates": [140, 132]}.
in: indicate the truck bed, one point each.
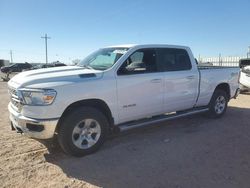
{"type": "Point", "coordinates": [202, 67]}
{"type": "Point", "coordinates": [211, 76]}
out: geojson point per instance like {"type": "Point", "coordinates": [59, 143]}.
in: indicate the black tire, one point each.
{"type": "Point", "coordinates": [213, 109]}
{"type": "Point", "coordinates": [69, 123]}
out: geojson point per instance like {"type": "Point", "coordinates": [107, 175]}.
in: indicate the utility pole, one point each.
{"type": "Point", "coordinates": [220, 61]}
{"type": "Point", "coordinates": [11, 57]}
{"type": "Point", "coordinates": [248, 53]}
{"type": "Point", "coordinates": [46, 49]}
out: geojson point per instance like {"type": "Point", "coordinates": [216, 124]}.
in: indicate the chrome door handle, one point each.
{"type": "Point", "coordinates": [157, 80]}
{"type": "Point", "coordinates": [190, 77]}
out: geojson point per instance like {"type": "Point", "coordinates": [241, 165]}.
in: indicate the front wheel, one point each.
{"type": "Point", "coordinates": [218, 104]}
{"type": "Point", "coordinates": [82, 131]}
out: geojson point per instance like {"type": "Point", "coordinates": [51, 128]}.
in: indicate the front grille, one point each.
{"type": "Point", "coordinates": [13, 92]}
{"type": "Point", "coordinates": [14, 99]}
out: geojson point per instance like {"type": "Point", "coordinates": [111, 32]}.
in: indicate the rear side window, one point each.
{"type": "Point", "coordinates": [170, 59]}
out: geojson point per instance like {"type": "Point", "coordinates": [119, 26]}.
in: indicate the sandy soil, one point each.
{"type": "Point", "coordinates": [190, 152]}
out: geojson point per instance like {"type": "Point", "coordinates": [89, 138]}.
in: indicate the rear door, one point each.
{"type": "Point", "coordinates": [140, 88]}
{"type": "Point", "coordinates": [180, 79]}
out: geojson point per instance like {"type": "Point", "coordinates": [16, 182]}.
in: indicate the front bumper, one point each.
{"type": "Point", "coordinates": [34, 128]}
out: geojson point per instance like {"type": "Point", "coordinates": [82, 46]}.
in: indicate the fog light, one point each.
{"type": "Point", "coordinates": [35, 127]}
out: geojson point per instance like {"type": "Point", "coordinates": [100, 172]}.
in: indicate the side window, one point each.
{"type": "Point", "coordinates": [141, 61]}
{"type": "Point", "coordinates": [173, 59]}
{"type": "Point", "coordinates": [27, 66]}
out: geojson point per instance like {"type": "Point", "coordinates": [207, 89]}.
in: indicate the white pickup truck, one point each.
{"type": "Point", "coordinates": [116, 88]}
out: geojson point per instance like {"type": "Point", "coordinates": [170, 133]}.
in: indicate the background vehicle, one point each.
{"type": "Point", "coordinates": [17, 67]}
{"type": "Point", "coordinates": [245, 74]}
{"type": "Point", "coordinates": [54, 64]}
{"type": "Point", "coordinates": [4, 62]}
{"type": "Point", "coordinates": [116, 88]}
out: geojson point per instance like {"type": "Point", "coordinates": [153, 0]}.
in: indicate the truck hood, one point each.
{"type": "Point", "coordinates": [49, 77]}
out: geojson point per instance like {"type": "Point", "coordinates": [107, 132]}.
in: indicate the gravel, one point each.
{"type": "Point", "coordinates": [190, 152]}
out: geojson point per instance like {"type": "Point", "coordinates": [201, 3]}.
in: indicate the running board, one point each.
{"type": "Point", "coordinates": [158, 119]}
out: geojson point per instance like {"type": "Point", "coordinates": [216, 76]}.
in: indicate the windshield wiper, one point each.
{"type": "Point", "coordinates": [87, 67]}
{"type": "Point", "coordinates": [101, 67]}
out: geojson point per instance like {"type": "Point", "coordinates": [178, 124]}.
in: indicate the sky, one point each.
{"type": "Point", "coordinates": [79, 27]}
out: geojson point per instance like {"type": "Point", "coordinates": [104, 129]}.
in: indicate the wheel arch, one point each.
{"type": "Point", "coordinates": [95, 103]}
{"type": "Point", "coordinates": [224, 87]}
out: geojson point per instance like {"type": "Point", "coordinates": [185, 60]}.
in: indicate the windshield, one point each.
{"type": "Point", "coordinates": [103, 59]}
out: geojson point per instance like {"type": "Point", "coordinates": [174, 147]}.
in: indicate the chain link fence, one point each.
{"type": "Point", "coordinates": [230, 61]}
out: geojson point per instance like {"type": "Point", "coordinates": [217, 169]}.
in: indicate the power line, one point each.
{"type": "Point", "coordinates": [46, 50]}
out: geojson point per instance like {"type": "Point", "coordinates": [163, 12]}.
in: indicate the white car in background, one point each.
{"type": "Point", "coordinates": [245, 75]}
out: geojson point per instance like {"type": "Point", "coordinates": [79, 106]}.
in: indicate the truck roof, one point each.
{"type": "Point", "coordinates": [147, 46]}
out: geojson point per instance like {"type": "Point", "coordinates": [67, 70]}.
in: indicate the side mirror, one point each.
{"type": "Point", "coordinates": [123, 71]}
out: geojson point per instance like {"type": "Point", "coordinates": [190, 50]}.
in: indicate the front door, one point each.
{"type": "Point", "coordinates": [140, 88]}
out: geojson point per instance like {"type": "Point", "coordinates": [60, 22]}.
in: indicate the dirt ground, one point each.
{"type": "Point", "coordinates": [190, 152]}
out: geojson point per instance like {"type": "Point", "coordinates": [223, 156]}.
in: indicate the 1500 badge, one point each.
{"type": "Point", "coordinates": [129, 105]}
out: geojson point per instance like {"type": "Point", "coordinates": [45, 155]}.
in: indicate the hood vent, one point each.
{"type": "Point", "coordinates": [90, 75]}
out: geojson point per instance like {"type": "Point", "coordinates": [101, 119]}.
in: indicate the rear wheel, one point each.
{"type": "Point", "coordinates": [218, 104]}
{"type": "Point", "coordinates": [83, 131]}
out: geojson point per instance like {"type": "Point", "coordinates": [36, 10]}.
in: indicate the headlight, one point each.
{"type": "Point", "coordinates": [37, 96]}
